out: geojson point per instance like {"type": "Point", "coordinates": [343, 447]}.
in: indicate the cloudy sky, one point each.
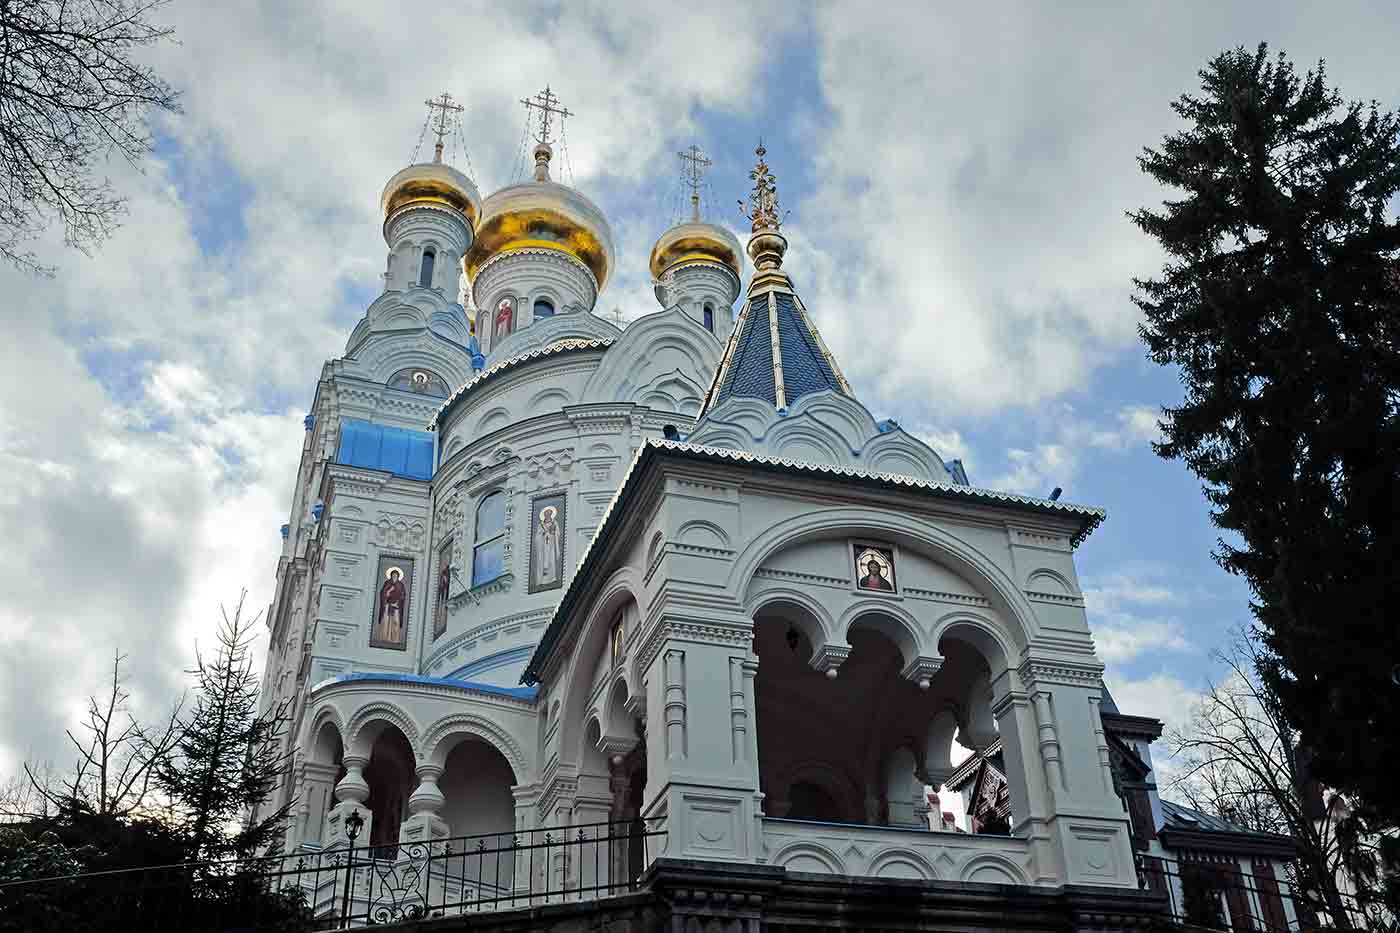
{"type": "Point", "coordinates": [957, 175]}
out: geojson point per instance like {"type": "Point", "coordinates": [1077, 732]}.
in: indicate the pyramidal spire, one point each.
{"type": "Point", "coordinates": [775, 352]}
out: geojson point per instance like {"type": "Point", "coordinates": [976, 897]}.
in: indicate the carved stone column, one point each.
{"type": "Point", "coordinates": [424, 823]}
{"type": "Point", "coordinates": [351, 794]}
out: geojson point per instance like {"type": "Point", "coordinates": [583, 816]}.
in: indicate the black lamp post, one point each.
{"type": "Point", "coordinates": [353, 824]}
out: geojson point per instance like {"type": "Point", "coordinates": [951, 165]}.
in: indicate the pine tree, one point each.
{"type": "Point", "coordinates": [1279, 305]}
{"type": "Point", "coordinates": [229, 755]}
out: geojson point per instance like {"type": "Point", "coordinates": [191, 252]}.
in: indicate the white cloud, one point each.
{"type": "Point", "coordinates": [1162, 696]}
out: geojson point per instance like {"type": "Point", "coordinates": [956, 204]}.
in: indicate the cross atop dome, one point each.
{"type": "Point", "coordinates": [547, 103]}
{"type": "Point", "coordinates": [695, 165]}
{"type": "Point", "coordinates": [446, 117]}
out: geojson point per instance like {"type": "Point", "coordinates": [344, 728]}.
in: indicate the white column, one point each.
{"type": "Point", "coordinates": [425, 823]}
{"type": "Point", "coordinates": [351, 795]}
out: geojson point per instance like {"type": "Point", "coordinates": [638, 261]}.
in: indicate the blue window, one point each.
{"type": "Point", "coordinates": [425, 272]}
{"type": "Point", "coordinates": [488, 552]}
{"type": "Point", "coordinates": [543, 309]}
{"type": "Point", "coordinates": [709, 319]}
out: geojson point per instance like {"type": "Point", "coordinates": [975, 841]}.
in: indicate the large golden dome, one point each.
{"type": "Point", "coordinates": [692, 241]}
{"type": "Point", "coordinates": [432, 183]}
{"type": "Point", "coordinates": [542, 214]}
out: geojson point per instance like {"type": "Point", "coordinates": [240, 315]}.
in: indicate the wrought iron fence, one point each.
{"type": "Point", "coordinates": [1220, 895]}
{"type": "Point", "coordinates": [344, 886]}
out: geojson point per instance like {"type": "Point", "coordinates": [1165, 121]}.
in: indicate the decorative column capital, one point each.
{"type": "Point", "coordinates": [829, 658]}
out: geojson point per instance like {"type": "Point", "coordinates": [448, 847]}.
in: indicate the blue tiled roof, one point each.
{"type": "Point", "coordinates": [805, 367]}
{"type": "Point", "coordinates": [750, 371]}
{"type": "Point", "coordinates": [400, 451]}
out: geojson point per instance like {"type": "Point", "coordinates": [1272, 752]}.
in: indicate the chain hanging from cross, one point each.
{"type": "Point", "coordinates": [695, 165]}
{"type": "Point", "coordinates": [547, 103]}
{"type": "Point", "coordinates": [446, 110]}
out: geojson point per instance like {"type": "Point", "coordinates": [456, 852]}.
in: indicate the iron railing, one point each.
{"type": "Point", "coordinates": [1219, 895]}
{"type": "Point", "coordinates": [344, 886]}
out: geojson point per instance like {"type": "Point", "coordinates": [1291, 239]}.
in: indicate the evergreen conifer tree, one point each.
{"type": "Point", "coordinates": [1279, 305]}
{"type": "Point", "coordinates": [229, 756]}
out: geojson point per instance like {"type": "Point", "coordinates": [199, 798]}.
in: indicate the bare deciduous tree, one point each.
{"type": "Point", "coordinates": [117, 758]}
{"type": "Point", "coordinates": [1239, 759]}
{"type": "Point", "coordinates": [71, 95]}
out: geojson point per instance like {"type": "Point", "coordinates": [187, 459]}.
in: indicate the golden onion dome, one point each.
{"type": "Point", "coordinates": [696, 241]}
{"type": "Point", "coordinates": [432, 183]}
{"type": "Point", "coordinates": [542, 214]}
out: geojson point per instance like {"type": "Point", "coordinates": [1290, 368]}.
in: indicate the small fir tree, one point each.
{"type": "Point", "coordinates": [1279, 306]}
{"type": "Point", "coordinates": [229, 755]}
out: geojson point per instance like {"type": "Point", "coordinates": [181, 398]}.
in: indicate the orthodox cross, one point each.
{"type": "Point", "coordinates": [547, 103]}
{"type": "Point", "coordinates": [762, 206]}
{"type": "Point", "coordinates": [446, 108]}
{"type": "Point", "coordinates": [695, 165]}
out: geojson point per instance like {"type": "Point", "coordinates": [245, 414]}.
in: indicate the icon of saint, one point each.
{"type": "Point", "coordinates": [546, 547]}
{"type": "Point", "coordinates": [392, 597]}
{"type": "Point", "coordinates": [874, 578]}
{"type": "Point", "coordinates": [505, 314]}
{"type": "Point", "coordinates": [444, 589]}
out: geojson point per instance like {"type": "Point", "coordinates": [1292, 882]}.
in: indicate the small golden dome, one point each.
{"type": "Point", "coordinates": [432, 183]}
{"type": "Point", "coordinates": [693, 241]}
{"type": "Point", "coordinates": [542, 215]}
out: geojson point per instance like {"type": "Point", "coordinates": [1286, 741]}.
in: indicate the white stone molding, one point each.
{"type": "Point", "coordinates": [378, 711]}
{"type": "Point", "coordinates": [478, 726]}
{"type": "Point", "coordinates": [827, 427]}
{"type": "Point", "coordinates": [655, 348]}
{"type": "Point", "coordinates": [1016, 621]}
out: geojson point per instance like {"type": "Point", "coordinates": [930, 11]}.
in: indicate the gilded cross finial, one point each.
{"type": "Point", "coordinates": [762, 207]}
{"type": "Point", "coordinates": [695, 165]}
{"type": "Point", "coordinates": [547, 103]}
{"type": "Point", "coordinates": [446, 109]}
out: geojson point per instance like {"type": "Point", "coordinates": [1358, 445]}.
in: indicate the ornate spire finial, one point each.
{"type": "Point", "coordinates": [446, 109]}
{"type": "Point", "coordinates": [762, 207]}
{"type": "Point", "coordinates": [695, 165]}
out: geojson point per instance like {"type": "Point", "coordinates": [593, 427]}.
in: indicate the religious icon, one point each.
{"type": "Point", "coordinates": [444, 588]}
{"type": "Point", "coordinates": [419, 382]}
{"type": "Point", "coordinates": [505, 314]}
{"type": "Point", "coordinates": [874, 568]}
{"type": "Point", "coordinates": [547, 543]}
{"type": "Point", "coordinates": [390, 628]}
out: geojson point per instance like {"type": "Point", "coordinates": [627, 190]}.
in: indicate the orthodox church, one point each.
{"type": "Point", "coordinates": [543, 572]}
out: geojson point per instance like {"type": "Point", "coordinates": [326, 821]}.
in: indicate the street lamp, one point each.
{"type": "Point", "coordinates": [353, 824]}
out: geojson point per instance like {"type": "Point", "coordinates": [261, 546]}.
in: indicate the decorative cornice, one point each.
{"type": "Point", "coordinates": [730, 635]}
{"type": "Point", "coordinates": [567, 345]}
{"type": "Point", "coordinates": [945, 596]}
{"type": "Point", "coordinates": [1034, 671]}
{"type": "Point", "coordinates": [773, 573]}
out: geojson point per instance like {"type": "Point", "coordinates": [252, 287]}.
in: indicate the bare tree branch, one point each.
{"type": "Point", "coordinates": [71, 96]}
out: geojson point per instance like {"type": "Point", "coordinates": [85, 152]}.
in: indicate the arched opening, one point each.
{"type": "Point", "coordinates": [868, 746]}
{"type": "Point", "coordinates": [488, 548]}
{"type": "Point", "coordinates": [543, 309]}
{"type": "Point", "coordinates": [390, 776]}
{"type": "Point", "coordinates": [710, 318]}
{"type": "Point", "coordinates": [478, 803]}
{"type": "Point", "coordinates": [324, 770]}
{"type": "Point", "coordinates": [425, 269]}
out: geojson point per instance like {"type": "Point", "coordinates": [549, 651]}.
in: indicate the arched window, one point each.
{"type": "Point", "coordinates": [425, 272]}
{"type": "Point", "coordinates": [488, 550]}
{"type": "Point", "coordinates": [543, 309]}
{"type": "Point", "coordinates": [709, 319]}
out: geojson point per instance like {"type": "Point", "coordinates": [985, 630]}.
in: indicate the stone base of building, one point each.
{"type": "Point", "coordinates": [681, 896]}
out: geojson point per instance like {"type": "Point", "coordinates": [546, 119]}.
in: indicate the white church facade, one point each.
{"type": "Point", "coordinates": [543, 572]}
